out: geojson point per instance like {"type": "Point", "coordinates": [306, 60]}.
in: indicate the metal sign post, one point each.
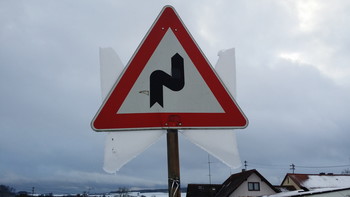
{"type": "Point", "coordinates": [173, 163]}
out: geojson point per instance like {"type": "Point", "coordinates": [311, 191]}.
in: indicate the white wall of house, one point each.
{"type": "Point", "coordinates": [242, 190]}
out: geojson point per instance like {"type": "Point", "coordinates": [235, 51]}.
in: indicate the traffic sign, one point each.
{"type": "Point", "coordinates": [168, 84]}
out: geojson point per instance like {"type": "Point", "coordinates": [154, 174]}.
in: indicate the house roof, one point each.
{"type": "Point", "coordinates": [297, 179]}
{"type": "Point", "coordinates": [285, 188]}
{"type": "Point", "coordinates": [200, 190]}
{"type": "Point", "coordinates": [320, 192]}
{"type": "Point", "coordinates": [235, 180]}
{"type": "Point", "coordinates": [314, 181]}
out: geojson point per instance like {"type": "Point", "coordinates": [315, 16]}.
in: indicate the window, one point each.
{"type": "Point", "coordinates": [253, 186]}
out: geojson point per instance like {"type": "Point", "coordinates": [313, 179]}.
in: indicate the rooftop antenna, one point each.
{"type": "Point", "coordinates": [292, 167]}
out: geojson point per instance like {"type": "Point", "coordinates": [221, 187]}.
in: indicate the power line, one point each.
{"type": "Point", "coordinates": [278, 166]}
{"type": "Point", "coordinates": [336, 166]}
{"type": "Point", "coordinates": [292, 166]}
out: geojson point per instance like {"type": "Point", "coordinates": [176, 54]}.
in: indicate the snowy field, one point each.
{"type": "Point", "coordinates": [156, 194]}
{"type": "Point", "coordinates": [140, 194]}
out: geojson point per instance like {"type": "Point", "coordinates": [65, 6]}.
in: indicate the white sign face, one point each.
{"type": "Point", "coordinates": [194, 96]}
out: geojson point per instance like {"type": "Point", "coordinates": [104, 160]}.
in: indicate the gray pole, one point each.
{"type": "Point", "coordinates": [209, 169]}
{"type": "Point", "coordinates": [173, 163]}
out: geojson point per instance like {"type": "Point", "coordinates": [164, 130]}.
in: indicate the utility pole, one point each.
{"type": "Point", "coordinates": [209, 162]}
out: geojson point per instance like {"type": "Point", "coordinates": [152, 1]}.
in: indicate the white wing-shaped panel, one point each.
{"type": "Point", "coordinates": [221, 144]}
{"type": "Point", "coordinates": [120, 147]}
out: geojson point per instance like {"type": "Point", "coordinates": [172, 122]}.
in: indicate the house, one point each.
{"type": "Point", "coordinates": [246, 183]}
{"type": "Point", "coordinates": [308, 182]}
{"type": "Point", "coordinates": [200, 190]}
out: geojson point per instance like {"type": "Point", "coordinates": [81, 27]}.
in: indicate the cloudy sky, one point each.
{"type": "Point", "coordinates": [293, 82]}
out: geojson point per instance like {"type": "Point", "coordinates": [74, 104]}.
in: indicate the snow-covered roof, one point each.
{"type": "Point", "coordinates": [339, 192]}
{"type": "Point", "coordinates": [327, 181]}
{"type": "Point", "coordinates": [315, 181]}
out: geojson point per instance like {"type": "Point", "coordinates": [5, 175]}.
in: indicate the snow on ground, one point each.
{"type": "Point", "coordinates": [158, 194]}
{"type": "Point", "coordinates": [139, 194]}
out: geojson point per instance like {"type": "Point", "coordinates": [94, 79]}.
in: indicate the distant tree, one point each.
{"type": "Point", "coordinates": [346, 171]}
{"type": "Point", "coordinates": [123, 191]}
{"type": "Point", "coordinates": [6, 191]}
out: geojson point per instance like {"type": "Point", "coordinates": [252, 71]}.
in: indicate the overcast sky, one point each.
{"type": "Point", "coordinates": [293, 82]}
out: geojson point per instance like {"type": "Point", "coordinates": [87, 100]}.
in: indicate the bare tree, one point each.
{"type": "Point", "coordinates": [346, 171]}
{"type": "Point", "coordinates": [123, 191]}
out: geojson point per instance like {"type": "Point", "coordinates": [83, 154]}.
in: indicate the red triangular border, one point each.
{"type": "Point", "coordinates": [106, 118]}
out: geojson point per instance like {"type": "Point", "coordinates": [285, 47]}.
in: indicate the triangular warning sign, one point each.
{"type": "Point", "coordinates": [168, 84]}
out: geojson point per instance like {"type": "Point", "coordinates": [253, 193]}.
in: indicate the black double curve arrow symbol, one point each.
{"type": "Point", "coordinates": [159, 78]}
